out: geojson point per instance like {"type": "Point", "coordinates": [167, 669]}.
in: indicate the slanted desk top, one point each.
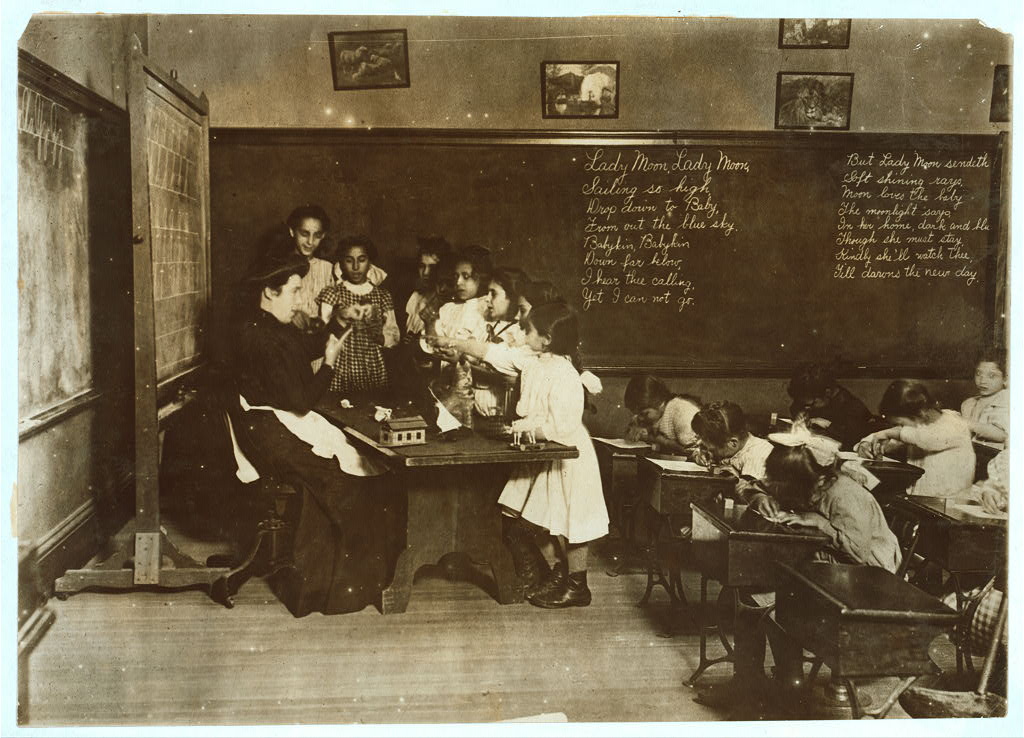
{"type": "Point", "coordinates": [955, 539]}
{"type": "Point", "coordinates": [740, 548]}
{"type": "Point", "coordinates": [474, 448]}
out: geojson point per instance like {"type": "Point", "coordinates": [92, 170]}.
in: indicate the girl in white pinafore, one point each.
{"type": "Point", "coordinates": [564, 497]}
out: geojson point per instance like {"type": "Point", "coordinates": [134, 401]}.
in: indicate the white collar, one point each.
{"type": "Point", "coordinates": [358, 289]}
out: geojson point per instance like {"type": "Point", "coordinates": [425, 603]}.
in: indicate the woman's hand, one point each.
{"type": "Point", "coordinates": [868, 448]}
{"type": "Point", "coordinates": [333, 349]}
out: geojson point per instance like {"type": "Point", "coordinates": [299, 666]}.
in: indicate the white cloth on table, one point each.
{"type": "Point", "coordinates": [563, 496]}
{"type": "Point", "coordinates": [326, 440]}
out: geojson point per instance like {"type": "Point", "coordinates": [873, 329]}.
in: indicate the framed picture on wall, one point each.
{"type": "Point", "coordinates": [579, 89]}
{"type": "Point", "coordinates": [814, 33]}
{"type": "Point", "coordinates": [1000, 111]}
{"type": "Point", "coordinates": [818, 100]}
{"type": "Point", "coordinates": [365, 60]}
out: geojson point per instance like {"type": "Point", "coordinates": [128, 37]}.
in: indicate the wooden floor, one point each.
{"type": "Point", "coordinates": [456, 656]}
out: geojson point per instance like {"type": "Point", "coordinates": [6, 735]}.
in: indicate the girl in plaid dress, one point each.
{"type": "Point", "coordinates": [360, 368]}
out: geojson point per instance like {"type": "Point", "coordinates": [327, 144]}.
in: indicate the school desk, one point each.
{"type": "Point", "coordinates": [452, 488]}
{"type": "Point", "coordinates": [861, 621]}
{"type": "Point", "coordinates": [666, 488]}
{"type": "Point", "coordinates": [736, 547]}
{"type": "Point", "coordinates": [895, 478]}
{"type": "Point", "coordinates": [618, 459]}
{"type": "Point", "coordinates": [962, 539]}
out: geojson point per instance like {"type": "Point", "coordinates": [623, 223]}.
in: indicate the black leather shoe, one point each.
{"type": "Point", "coordinates": [574, 593]}
{"type": "Point", "coordinates": [553, 580]}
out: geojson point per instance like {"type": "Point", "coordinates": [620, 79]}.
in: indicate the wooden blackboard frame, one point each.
{"type": "Point", "coordinates": [775, 139]}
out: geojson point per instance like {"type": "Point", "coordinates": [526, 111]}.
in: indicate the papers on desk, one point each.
{"type": "Point", "coordinates": [623, 443]}
{"type": "Point", "coordinates": [678, 465]}
{"type": "Point", "coordinates": [977, 511]}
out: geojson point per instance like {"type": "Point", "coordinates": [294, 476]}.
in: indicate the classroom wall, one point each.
{"type": "Point", "coordinates": [90, 49]}
{"type": "Point", "coordinates": [676, 73]}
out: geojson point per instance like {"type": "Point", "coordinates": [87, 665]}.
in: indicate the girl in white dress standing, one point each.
{"type": "Point", "coordinates": [564, 497]}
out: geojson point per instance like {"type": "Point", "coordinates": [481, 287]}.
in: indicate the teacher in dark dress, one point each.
{"type": "Point", "coordinates": [344, 530]}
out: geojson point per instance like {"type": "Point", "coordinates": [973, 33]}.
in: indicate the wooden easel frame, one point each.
{"type": "Point", "coordinates": [151, 559]}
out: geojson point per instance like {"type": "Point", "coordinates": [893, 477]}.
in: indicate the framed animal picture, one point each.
{"type": "Point", "coordinates": [813, 100]}
{"type": "Point", "coordinates": [364, 60]}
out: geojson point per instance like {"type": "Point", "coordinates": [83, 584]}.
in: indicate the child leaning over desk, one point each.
{"type": "Point", "coordinates": [810, 487]}
{"type": "Point", "coordinates": [727, 445]}
{"type": "Point", "coordinates": [663, 418]}
{"type": "Point", "coordinates": [938, 441]}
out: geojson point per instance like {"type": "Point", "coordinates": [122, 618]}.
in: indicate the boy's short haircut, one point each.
{"type": "Point", "coordinates": [717, 422]}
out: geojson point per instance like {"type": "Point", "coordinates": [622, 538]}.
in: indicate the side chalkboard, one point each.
{"type": "Point", "coordinates": [733, 253]}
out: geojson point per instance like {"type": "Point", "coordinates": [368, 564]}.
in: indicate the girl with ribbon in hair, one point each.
{"type": "Point", "coordinates": [808, 485]}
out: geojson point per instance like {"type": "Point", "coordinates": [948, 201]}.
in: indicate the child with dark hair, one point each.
{"type": "Point", "coordinates": [308, 225]}
{"type": "Point", "coordinates": [660, 416]}
{"type": "Point", "coordinates": [988, 412]}
{"type": "Point", "coordinates": [464, 316]}
{"type": "Point", "coordinates": [827, 407]}
{"type": "Point", "coordinates": [536, 293]}
{"type": "Point", "coordinates": [431, 259]}
{"type": "Point", "coordinates": [938, 441]}
{"type": "Point", "coordinates": [361, 367]}
{"type": "Point", "coordinates": [563, 497]}
{"type": "Point", "coordinates": [727, 444]}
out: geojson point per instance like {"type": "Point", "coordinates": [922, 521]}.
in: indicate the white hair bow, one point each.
{"type": "Point", "coordinates": [824, 450]}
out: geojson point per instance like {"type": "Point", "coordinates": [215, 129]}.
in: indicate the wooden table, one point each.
{"type": "Point", "coordinates": [452, 488]}
{"type": "Point", "coordinates": [739, 548]}
{"type": "Point", "coordinates": [960, 543]}
{"type": "Point", "coordinates": [619, 470]}
{"type": "Point", "coordinates": [862, 621]}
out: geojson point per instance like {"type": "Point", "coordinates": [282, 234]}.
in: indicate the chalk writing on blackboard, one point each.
{"type": "Point", "coordinates": [643, 212]}
{"type": "Point", "coordinates": [911, 216]}
{"type": "Point", "coordinates": [39, 117]}
{"type": "Point", "coordinates": [179, 268]}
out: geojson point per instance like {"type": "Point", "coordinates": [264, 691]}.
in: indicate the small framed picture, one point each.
{"type": "Point", "coordinates": [1000, 111]}
{"type": "Point", "coordinates": [365, 60]}
{"type": "Point", "coordinates": [818, 100]}
{"type": "Point", "coordinates": [586, 89]}
{"type": "Point", "coordinates": [814, 33]}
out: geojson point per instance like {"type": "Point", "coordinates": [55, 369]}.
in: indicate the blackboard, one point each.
{"type": "Point", "coordinates": [73, 227]}
{"type": "Point", "coordinates": [756, 251]}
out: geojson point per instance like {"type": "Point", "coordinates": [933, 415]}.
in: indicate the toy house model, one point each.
{"type": "Point", "coordinates": [403, 431]}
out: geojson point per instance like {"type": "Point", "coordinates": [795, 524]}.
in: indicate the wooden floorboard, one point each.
{"type": "Point", "coordinates": [456, 655]}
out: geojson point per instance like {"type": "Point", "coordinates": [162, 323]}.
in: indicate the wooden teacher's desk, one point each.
{"type": "Point", "coordinates": [452, 489]}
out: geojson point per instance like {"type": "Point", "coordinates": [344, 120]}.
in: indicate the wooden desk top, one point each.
{"type": "Point", "coordinates": [944, 509]}
{"type": "Point", "coordinates": [741, 523]}
{"type": "Point", "coordinates": [869, 592]}
{"type": "Point", "coordinates": [359, 425]}
{"type": "Point", "coordinates": [603, 445]}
